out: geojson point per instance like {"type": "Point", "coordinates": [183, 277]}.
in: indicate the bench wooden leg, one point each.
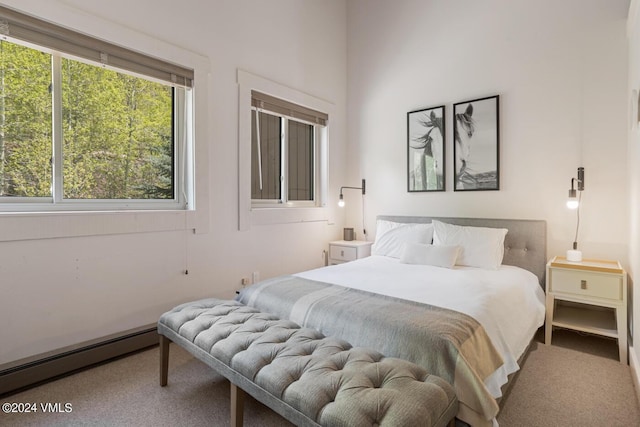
{"type": "Point", "coordinates": [237, 405]}
{"type": "Point", "coordinates": [164, 359]}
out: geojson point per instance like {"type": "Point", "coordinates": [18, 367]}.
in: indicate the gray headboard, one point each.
{"type": "Point", "coordinates": [525, 245]}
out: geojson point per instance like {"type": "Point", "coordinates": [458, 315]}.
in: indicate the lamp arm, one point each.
{"type": "Point", "coordinates": [353, 188]}
{"type": "Point", "coordinates": [356, 188]}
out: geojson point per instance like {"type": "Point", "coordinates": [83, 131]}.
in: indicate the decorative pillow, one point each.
{"type": "Point", "coordinates": [479, 246]}
{"type": "Point", "coordinates": [439, 256]}
{"type": "Point", "coordinates": [392, 236]}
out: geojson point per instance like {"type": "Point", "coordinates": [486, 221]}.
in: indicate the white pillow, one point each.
{"type": "Point", "coordinates": [479, 246]}
{"type": "Point", "coordinates": [382, 226]}
{"type": "Point", "coordinates": [439, 256]}
{"type": "Point", "coordinates": [392, 236]}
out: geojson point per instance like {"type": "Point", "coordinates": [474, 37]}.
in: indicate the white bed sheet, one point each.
{"type": "Point", "coordinates": [508, 302]}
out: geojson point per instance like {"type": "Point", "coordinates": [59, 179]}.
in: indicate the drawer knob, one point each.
{"type": "Point", "coordinates": [341, 253]}
{"type": "Point", "coordinates": [583, 284]}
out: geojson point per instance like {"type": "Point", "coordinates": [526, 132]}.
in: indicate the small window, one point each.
{"type": "Point", "coordinates": [283, 141]}
{"type": "Point", "coordinates": [284, 152]}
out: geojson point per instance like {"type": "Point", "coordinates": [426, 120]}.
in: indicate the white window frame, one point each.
{"type": "Point", "coordinates": [257, 214]}
{"type": "Point", "coordinates": [56, 202]}
{"type": "Point", "coordinates": [20, 225]}
{"type": "Point", "coordinates": [284, 162]}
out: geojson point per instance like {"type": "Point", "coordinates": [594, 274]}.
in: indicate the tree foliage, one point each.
{"type": "Point", "coordinates": [117, 130]}
{"type": "Point", "coordinates": [25, 121]}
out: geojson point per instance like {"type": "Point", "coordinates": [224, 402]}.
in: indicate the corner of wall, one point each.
{"type": "Point", "coordinates": [634, 364]}
{"type": "Point", "coordinates": [633, 23]}
{"type": "Point", "coordinates": [632, 18]}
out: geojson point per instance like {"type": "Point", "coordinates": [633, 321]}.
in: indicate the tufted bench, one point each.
{"type": "Point", "coordinates": [304, 376]}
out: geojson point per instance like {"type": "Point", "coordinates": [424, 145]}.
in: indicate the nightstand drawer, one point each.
{"type": "Point", "coordinates": [343, 253]}
{"type": "Point", "coordinates": [585, 283]}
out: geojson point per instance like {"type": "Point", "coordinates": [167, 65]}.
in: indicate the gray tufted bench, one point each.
{"type": "Point", "coordinates": [304, 376]}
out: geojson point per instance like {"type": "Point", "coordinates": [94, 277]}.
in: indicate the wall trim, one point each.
{"type": "Point", "coordinates": [35, 370]}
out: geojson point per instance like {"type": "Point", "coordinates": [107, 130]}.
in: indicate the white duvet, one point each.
{"type": "Point", "coordinates": [508, 302]}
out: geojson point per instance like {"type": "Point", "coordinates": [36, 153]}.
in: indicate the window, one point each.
{"type": "Point", "coordinates": [294, 134]}
{"type": "Point", "coordinates": [284, 152]}
{"type": "Point", "coordinates": [85, 125]}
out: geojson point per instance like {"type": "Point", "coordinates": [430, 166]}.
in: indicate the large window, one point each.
{"type": "Point", "coordinates": [284, 152]}
{"type": "Point", "coordinates": [81, 134]}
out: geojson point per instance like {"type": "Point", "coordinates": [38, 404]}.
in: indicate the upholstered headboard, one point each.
{"type": "Point", "coordinates": [525, 245]}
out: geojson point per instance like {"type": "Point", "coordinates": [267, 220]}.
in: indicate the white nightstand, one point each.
{"type": "Point", "coordinates": [344, 251]}
{"type": "Point", "coordinates": [596, 296]}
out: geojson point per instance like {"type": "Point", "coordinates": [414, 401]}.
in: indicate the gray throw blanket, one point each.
{"type": "Point", "coordinates": [446, 343]}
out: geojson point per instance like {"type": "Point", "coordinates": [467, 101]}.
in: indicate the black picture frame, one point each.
{"type": "Point", "coordinates": [426, 146]}
{"type": "Point", "coordinates": [476, 144]}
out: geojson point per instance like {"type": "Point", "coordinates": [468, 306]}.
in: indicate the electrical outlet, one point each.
{"type": "Point", "coordinates": [245, 281]}
{"type": "Point", "coordinates": [255, 277]}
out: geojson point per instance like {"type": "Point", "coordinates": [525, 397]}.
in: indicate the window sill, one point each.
{"type": "Point", "coordinates": [16, 226]}
{"type": "Point", "coordinates": [288, 215]}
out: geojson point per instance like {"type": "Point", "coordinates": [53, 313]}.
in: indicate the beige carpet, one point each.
{"type": "Point", "coordinates": [576, 382]}
{"type": "Point", "coordinates": [126, 392]}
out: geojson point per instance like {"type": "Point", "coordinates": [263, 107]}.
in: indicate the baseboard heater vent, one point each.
{"type": "Point", "coordinates": [32, 371]}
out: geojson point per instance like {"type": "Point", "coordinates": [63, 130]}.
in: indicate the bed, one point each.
{"type": "Point", "coordinates": [462, 297]}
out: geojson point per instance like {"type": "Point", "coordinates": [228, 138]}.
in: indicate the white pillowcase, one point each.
{"type": "Point", "coordinates": [392, 236]}
{"type": "Point", "coordinates": [479, 246]}
{"type": "Point", "coordinates": [439, 256]}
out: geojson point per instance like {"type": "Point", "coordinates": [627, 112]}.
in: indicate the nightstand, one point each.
{"type": "Point", "coordinates": [344, 251]}
{"type": "Point", "coordinates": [588, 296]}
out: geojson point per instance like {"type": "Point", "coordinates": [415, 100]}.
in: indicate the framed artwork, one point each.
{"type": "Point", "coordinates": [476, 144]}
{"type": "Point", "coordinates": [425, 149]}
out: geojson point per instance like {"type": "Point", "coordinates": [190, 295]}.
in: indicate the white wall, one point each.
{"type": "Point", "coordinates": [634, 181]}
{"type": "Point", "coordinates": [560, 68]}
{"type": "Point", "coordinates": [62, 291]}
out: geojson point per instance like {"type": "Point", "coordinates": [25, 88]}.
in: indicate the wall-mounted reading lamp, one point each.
{"type": "Point", "coordinates": [341, 200]}
{"type": "Point", "coordinates": [574, 203]}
